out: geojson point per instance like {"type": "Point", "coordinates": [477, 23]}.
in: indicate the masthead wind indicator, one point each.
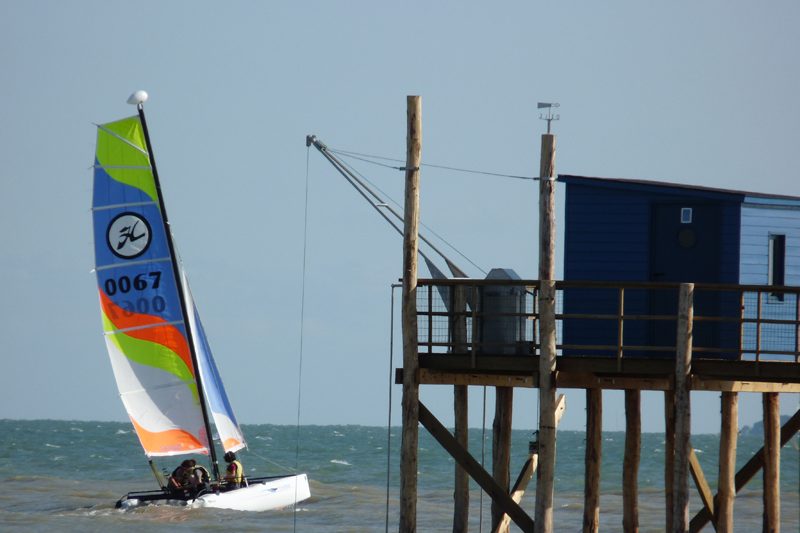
{"type": "Point", "coordinates": [138, 98]}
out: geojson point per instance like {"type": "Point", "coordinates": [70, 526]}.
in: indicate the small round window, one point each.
{"type": "Point", "coordinates": [687, 238]}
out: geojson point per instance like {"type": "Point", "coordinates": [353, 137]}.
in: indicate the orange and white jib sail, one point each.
{"type": "Point", "coordinates": [141, 308]}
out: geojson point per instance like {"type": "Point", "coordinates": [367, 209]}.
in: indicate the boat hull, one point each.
{"type": "Point", "coordinates": [261, 494]}
{"type": "Point", "coordinates": [264, 495]}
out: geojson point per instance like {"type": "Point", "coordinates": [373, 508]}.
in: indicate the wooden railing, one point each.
{"type": "Point", "coordinates": [608, 319]}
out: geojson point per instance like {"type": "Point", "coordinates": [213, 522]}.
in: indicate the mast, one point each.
{"type": "Point", "coordinates": [179, 283]}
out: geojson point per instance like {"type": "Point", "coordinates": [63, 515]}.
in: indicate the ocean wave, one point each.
{"type": "Point", "coordinates": [340, 462]}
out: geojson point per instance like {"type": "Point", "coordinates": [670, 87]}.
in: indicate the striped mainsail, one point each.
{"type": "Point", "coordinates": [142, 312]}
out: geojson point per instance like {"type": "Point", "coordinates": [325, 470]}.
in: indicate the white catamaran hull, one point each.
{"type": "Point", "coordinates": [261, 496]}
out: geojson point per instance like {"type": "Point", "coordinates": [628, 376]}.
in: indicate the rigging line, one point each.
{"type": "Point", "coordinates": [302, 322]}
{"type": "Point", "coordinates": [352, 170]}
{"type": "Point", "coordinates": [352, 176]}
{"type": "Point", "coordinates": [358, 185]}
{"type": "Point", "coordinates": [363, 157]}
{"type": "Point", "coordinates": [389, 424]}
{"type": "Point", "coordinates": [267, 459]}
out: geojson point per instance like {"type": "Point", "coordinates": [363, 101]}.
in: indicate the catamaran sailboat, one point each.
{"type": "Point", "coordinates": [166, 375]}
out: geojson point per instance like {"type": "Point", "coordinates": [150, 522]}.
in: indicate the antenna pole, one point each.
{"type": "Point", "coordinates": [179, 283]}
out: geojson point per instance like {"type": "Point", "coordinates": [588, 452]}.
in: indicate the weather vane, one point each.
{"type": "Point", "coordinates": [549, 117]}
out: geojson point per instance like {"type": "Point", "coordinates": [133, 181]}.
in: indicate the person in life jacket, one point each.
{"type": "Point", "coordinates": [181, 477]}
{"type": "Point", "coordinates": [200, 477]}
{"type": "Point", "coordinates": [234, 474]}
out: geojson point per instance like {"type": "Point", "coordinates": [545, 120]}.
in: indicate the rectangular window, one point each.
{"type": "Point", "coordinates": [777, 262]}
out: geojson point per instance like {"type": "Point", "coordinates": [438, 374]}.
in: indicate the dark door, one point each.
{"type": "Point", "coordinates": [685, 247]}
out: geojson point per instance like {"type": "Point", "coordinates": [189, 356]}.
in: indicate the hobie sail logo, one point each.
{"type": "Point", "coordinates": [128, 235]}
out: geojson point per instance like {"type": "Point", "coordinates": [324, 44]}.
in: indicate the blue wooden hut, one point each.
{"type": "Point", "coordinates": [636, 230]}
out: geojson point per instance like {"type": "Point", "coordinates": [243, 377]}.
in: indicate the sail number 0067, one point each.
{"type": "Point", "coordinates": [124, 284]}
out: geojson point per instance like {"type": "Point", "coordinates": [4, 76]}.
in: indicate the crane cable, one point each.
{"type": "Point", "coordinates": [302, 323]}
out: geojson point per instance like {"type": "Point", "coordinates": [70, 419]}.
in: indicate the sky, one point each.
{"type": "Point", "coordinates": [702, 93]}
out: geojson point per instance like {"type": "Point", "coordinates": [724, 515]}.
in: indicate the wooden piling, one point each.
{"type": "Point", "coordinates": [547, 322]}
{"type": "Point", "coordinates": [683, 365]}
{"type": "Point", "coordinates": [726, 486]}
{"type": "Point", "coordinates": [669, 457]}
{"type": "Point", "coordinates": [630, 464]}
{"type": "Point", "coordinates": [410, 433]}
{"type": "Point", "coordinates": [501, 448]}
{"type": "Point", "coordinates": [460, 407]}
{"type": "Point", "coordinates": [772, 463]}
{"type": "Point", "coordinates": [594, 453]}
{"type": "Point", "coordinates": [461, 485]}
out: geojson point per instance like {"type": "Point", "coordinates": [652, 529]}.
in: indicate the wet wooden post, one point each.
{"type": "Point", "coordinates": [547, 356]}
{"type": "Point", "coordinates": [630, 464]}
{"type": "Point", "coordinates": [501, 448]}
{"type": "Point", "coordinates": [683, 366]}
{"type": "Point", "coordinates": [726, 486]}
{"type": "Point", "coordinates": [594, 453]}
{"type": "Point", "coordinates": [410, 435]}
{"type": "Point", "coordinates": [669, 457]}
{"type": "Point", "coordinates": [461, 484]}
{"type": "Point", "coordinates": [772, 463]}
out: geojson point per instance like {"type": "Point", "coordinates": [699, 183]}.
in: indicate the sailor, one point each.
{"type": "Point", "coordinates": [234, 475]}
{"type": "Point", "coordinates": [200, 477]}
{"type": "Point", "coordinates": [181, 476]}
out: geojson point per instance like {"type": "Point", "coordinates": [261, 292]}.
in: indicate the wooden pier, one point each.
{"type": "Point", "coordinates": [444, 361]}
{"type": "Point", "coordinates": [451, 337]}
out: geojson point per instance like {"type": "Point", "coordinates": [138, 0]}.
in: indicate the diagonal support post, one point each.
{"type": "Point", "coordinates": [475, 470]}
{"type": "Point", "coordinates": [702, 486]}
{"type": "Point", "coordinates": [750, 469]}
{"type": "Point", "coordinates": [528, 469]}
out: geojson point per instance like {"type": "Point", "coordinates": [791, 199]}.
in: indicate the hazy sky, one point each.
{"type": "Point", "coordinates": [702, 93]}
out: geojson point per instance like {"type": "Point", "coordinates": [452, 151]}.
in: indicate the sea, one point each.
{"type": "Point", "coordinates": [67, 476]}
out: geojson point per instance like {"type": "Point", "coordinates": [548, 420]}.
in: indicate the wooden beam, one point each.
{"type": "Point", "coordinates": [461, 410]}
{"type": "Point", "coordinates": [518, 490]}
{"type": "Point", "coordinates": [525, 475]}
{"type": "Point", "coordinates": [575, 372]}
{"type": "Point", "coordinates": [700, 482]}
{"type": "Point", "coordinates": [501, 447]}
{"type": "Point", "coordinates": [669, 458]}
{"type": "Point", "coordinates": [720, 385]}
{"type": "Point", "coordinates": [751, 468]}
{"type": "Point", "coordinates": [410, 402]}
{"type": "Point", "coordinates": [683, 369]}
{"type": "Point", "coordinates": [475, 470]}
{"type": "Point", "coordinates": [729, 431]}
{"type": "Point", "coordinates": [461, 481]}
{"type": "Point", "coordinates": [630, 463]}
{"type": "Point", "coordinates": [428, 376]}
{"type": "Point", "coordinates": [585, 380]}
{"type": "Point", "coordinates": [772, 463]}
{"type": "Point", "coordinates": [594, 455]}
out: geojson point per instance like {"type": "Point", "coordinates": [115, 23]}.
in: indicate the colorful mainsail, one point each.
{"type": "Point", "coordinates": [139, 298]}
